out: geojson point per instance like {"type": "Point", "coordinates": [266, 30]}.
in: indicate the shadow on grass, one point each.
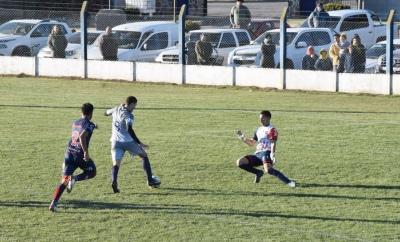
{"type": "Point", "coordinates": [183, 209]}
{"type": "Point", "coordinates": [383, 187]}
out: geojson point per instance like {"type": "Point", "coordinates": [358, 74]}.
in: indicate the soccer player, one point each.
{"type": "Point", "coordinates": [124, 139]}
{"type": "Point", "coordinates": [77, 155]}
{"type": "Point", "coordinates": [265, 137]}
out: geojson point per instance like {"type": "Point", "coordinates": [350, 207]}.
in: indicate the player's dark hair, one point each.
{"type": "Point", "coordinates": [130, 99]}
{"type": "Point", "coordinates": [336, 35]}
{"type": "Point", "coordinates": [87, 109]}
{"type": "Point", "coordinates": [266, 113]}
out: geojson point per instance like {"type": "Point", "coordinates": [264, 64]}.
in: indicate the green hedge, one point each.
{"type": "Point", "coordinates": [191, 25]}
{"type": "Point", "coordinates": [335, 6]}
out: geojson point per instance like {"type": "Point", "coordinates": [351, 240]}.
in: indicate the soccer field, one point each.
{"type": "Point", "coordinates": [342, 149]}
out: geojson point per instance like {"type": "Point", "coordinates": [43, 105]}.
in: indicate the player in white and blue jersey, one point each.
{"type": "Point", "coordinates": [265, 137]}
{"type": "Point", "coordinates": [124, 139]}
{"type": "Point", "coordinates": [77, 155]}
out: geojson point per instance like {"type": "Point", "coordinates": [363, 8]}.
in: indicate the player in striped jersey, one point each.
{"type": "Point", "coordinates": [77, 155]}
{"type": "Point", "coordinates": [124, 139]}
{"type": "Point", "coordinates": [265, 137]}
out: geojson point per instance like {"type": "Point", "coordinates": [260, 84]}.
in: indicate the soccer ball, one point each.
{"type": "Point", "coordinates": [158, 180]}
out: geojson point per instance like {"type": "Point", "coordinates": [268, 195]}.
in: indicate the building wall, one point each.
{"type": "Point", "coordinates": [382, 8]}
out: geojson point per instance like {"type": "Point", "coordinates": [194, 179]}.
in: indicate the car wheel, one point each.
{"type": "Point", "coordinates": [21, 51]}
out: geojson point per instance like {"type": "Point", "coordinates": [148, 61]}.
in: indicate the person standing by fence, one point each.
{"type": "Point", "coordinates": [240, 15]}
{"type": "Point", "coordinates": [203, 50]}
{"type": "Point", "coordinates": [108, 46]}
{"type": "Point", "coordinates": [57, 42]}
{"type": "Point", "coordinates": [267, 53]}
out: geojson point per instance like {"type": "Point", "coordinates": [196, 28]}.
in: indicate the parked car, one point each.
{"type": "Point", "coordinates": [377, 50]}
{"type": "Point", "coordinates": [25, 37]}
{"type": "Point", "coordinates": [141, 41]}
{"type": "Point", "coordinates": [297, 41]}
{"type": "Point", "coordinates": [381, 63]}
{"type": "Point", "coordinates": [223, 41]}
{"type": "Point", "coordinates": [258, 26]}
{"type": "Point", "coordinates": [73, 50]}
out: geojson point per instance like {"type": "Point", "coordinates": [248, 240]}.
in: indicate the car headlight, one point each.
{"type": "Point", "coordinates": [230, 57]}
{"type": "Point", "coordinates": [70, 53]}
{"type": "Point", "coordinates": [158, 58]}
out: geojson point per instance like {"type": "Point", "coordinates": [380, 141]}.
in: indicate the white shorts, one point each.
{"type": "Point", "coordinates": [118, 149]}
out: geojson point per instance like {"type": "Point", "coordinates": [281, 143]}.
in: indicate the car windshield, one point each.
{"type": "Point", "coordinates": [211, 37]}
{"type": "Point", "coordinates": [127, 39]}
{"type": "Point", "coordinates": [331, 23]}
{"type": "Point", "coordinates": [275, 37]}
{"type": "Point", "coordinates": [16, 28]}
{"type": "Point", "coordinates": [75, 38]}
{"type": "Point", "coordinates": [377, 50]}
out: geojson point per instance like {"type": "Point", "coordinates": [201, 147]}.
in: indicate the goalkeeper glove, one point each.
{"type": "Point", "coordinates": [240, 135]}
{"type": "Point", "coordinates": [273, 158]}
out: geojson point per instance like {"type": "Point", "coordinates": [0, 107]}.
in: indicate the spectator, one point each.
{"type": "Point", "coordinates": [108, 46]}
{"type": "Point", "coordinates": [323, 63]}
{"type": "Point", "coordinates": [334, 52]}
{"type": "Point", "coordinates": [353, 61]}
{"type": "Point", "coordinates": [191, 53]}
{"type": "Point", "coordinates": [360, 49]}
{"type": "Point", "coordinates": [343, 45]}
{"type": "Point", "coordinates": [309, 59]}
{"type": "Point", "coordinates": [319, 17]}
{"type": "Point", "coordinates": [203, 50]}
{"type": "Point", "coordinates": [267, 53]}
{"type": "Point", "coordinates": [240, 15]}
{"type": "Point", "coordinates": [57, 42]}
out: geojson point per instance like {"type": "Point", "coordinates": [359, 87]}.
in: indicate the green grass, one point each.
{"type": "Point", "coordinates": [342, 149]}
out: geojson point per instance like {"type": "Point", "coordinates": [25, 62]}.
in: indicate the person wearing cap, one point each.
{"type": "Point", "coordinates": [334, 51]}
{"type": "Point", "coordinates": [323, 63]}
{"type": "Point", "coordinates": [267, 53]}
{"type": "Point", "coordinates": [240, 15]}
{"type": "Point", "coordinates": [319, 17]}
{"type": "Point", "coordinates": [203, 50]}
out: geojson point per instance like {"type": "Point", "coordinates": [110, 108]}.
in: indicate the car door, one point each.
{"type": "Point", "coordinates": [226, 45]}
{"type": "Point", "coordinates": [39, 36]}
{"type": "Point", "coordinates": [153, 45]}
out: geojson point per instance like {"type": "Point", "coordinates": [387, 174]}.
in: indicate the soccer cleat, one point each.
{"type": "Point", "coordinates": [71, 184]}
{"type": "Point", "coordinates": [292, 183]}
{"type": "Point", "coordinates": [258, 176]}
{"type": "Point", "coordinates": [53, 206]}
{"type": "Point", "coordinates": [153, 183]}
{"type": "Point", "coordinates": [114, 186]}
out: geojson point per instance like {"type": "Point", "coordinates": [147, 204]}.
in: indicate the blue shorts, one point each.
{"type": "Point", "coordinates": [118, 149]}
{"type": "Point", "coordinates": [72, 162]}
{"type": "Point", "coordinates": [260, 158]}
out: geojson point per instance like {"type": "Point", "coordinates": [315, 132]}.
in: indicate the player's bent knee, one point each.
{"type": "Point", "coordinates": [242, 161]}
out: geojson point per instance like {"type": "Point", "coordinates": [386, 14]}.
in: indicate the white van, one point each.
{"type": "Point", "coordinates": [141, 41]}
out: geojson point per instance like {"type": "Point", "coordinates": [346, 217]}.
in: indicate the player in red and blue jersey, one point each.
{"type": "Point", "coordinates": [77, 155]}
{"type": "Point", "coordinates": [265, 137]}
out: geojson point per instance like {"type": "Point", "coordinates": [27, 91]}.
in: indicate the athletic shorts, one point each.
{"type": "Point", "coordinates": [72, 162]}
{"type": "Point", "coordinates": [260, 158]}
{"type": "Point", "coordinates": [118, 149]}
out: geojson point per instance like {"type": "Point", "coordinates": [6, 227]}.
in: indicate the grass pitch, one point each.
{"type": "Point", "coordinates": [342, 150]}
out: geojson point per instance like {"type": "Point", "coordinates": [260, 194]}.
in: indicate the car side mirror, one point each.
{"type": "Point", "coordinates": [301, 44]}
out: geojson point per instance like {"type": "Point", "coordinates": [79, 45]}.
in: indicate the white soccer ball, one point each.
{"type": "Point", "coordinates": [158, 180]}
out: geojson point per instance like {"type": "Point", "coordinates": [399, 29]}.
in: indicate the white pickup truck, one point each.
{"type": "Point", "coordinates": [365, 23]}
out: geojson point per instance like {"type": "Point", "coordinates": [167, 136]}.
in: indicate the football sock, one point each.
{"type": "Point", "coordinates": [59, 191]}
{"type": "Point", "coordinates": [249, 168]}
{"type": "Point", "coordinates": [85, 175]}
{"type": "Point", "coordinates": [147, 168]}
{"type": "Point", "coordinates": [278, 174]}
{"type": "Point", "coordinates": [114, 173]}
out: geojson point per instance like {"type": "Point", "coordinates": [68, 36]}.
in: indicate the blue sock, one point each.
{"type": "Point", "coordinates": [278, 174]}
{"type": "Point", "coordinates": [86, 175]}
{"type": "Point", "coordinates": [114, 173]}
{"type": "Point", "coordinates": [147, 168]}
{"type": "Point", "coordinates": [249, 168]}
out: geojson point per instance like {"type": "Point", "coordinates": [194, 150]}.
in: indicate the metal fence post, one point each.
{"type": "Point", "coordinates": [282, 43]}
{"type": "Point", "coordinates": [389, 50]}
{"type": "Point", "coordinates": [182, 31]}
{"type": "Point", "coordinates": [84, 14]}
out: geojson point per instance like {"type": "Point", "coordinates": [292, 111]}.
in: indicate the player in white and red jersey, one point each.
{"type": "Point", "coordinates": [266, 137]}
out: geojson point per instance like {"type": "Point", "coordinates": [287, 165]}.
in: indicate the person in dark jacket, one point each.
{"type": "Point", "coordinates": [203, 50]}
{"type": "Point", "coordinates": [267, 53]}
{"type": "Point", "coordinates": [309, 59]}
{"type": "Point", "coordinates": [319, 17]}
{"type": "Point", "coordinates": [323, 63]}
{"type": "Point", "coordinates": [57, 42]}
{"type": "Point", "coordinates": [108, 45]}
{"type": "Point", "coordinates": [359, 48]}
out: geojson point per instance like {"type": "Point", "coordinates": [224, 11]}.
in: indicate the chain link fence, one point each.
{"type": "Point", "coordinates": [208, 41]}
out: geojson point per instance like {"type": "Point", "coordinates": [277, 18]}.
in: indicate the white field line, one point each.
{"type": "Point", "coordinates": [281, 227]}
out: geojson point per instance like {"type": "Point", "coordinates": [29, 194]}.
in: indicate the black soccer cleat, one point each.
{"type": "Point", "coordinates": [114, 186]}
{"type": "Point", "coordinates": [258, 176]}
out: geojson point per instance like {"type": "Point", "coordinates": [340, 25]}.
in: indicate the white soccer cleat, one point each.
{"type": "Point", "coordinates": [292, 183]}
{"type": "Point", "coordinates": [71, 184]}
{"type": "Point", "coordinates": [53, 207]}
